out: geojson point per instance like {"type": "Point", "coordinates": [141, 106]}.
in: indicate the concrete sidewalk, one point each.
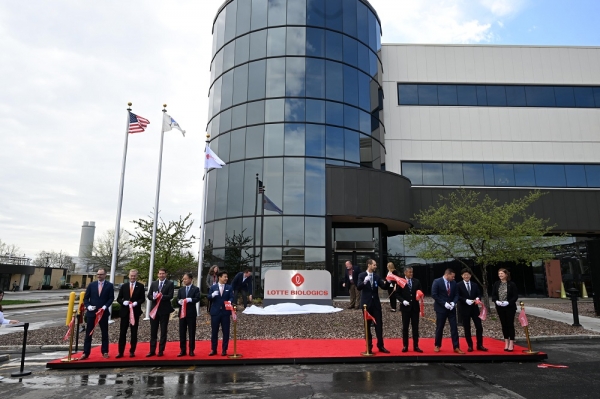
{"type": "Point", "coordinates": [36, 305]}
{"type": "Point", "coordinates": [589, 323]}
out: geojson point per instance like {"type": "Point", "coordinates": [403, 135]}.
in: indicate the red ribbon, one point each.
{"type": "Point", "coordinates": [399, 280]}
{"type": "Point", "coordinates": [131, 315]}
{"type": "Point", "coordinates": [99, 315]}
{"type": "Point", "coordinates": [229, 306]}
{"type": "Point", "coordinates": [155, 308]}
{"type": "Point", "coordinates": [483, 313]}
{"type": "Point", "coordinates": [183, 309]}
{"type": "Point", "coordinates": [369, 317]}
{"type": "Point", "coordinates": [523, 319]}
{"type": "Point", "coordinates": [68, 334]}
{"type": "Point", "coordinates": [419, 297]}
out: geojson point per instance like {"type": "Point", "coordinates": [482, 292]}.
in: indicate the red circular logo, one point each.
{"type": "Point", "coordinates": [297, 279]}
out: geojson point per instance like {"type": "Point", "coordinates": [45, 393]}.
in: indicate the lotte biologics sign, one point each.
{"type": "Point", "coordinates": [298, 286]}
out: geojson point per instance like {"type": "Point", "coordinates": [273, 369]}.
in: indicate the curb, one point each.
{"type": "Point", "coordinates": [4, 358]}
{"type": "Point", "coordinates": [35, 305]}
{"type": "Point", "coordinates": [545, 338]}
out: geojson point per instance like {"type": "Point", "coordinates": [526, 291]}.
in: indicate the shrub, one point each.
{"type": "Point", "coordinates": [76, 284]}
{"type": "Point", "coordinates": [116, 307]}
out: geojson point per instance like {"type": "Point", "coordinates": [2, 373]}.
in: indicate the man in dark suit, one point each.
{"type": "Point", "coordinates": [445, 295]}
{"type": "Point", "coordinates": [100, 294]}
{"type": "Point", "coordinates": [409, 306]}
{"type": "Point", "coordinates": [468, 294]}
{"type": "Point", "coordinates": [242, 284]}
{"type": "Point", "coordinates": [130, 295]}
{"type": "Point", "coordinates": [350, 281]}
{"type": "Point", "coordinates": [188, 296]}
{"type": "Point", "coordinates": [368, 284]}
{"type": "Point", "coordinates": [167, 289]}
{"type": "Point", "coordinates": [219, 316]}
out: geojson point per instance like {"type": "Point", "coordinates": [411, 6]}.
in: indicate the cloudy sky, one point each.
{"type": "Point", "coordinates": [70, 67]}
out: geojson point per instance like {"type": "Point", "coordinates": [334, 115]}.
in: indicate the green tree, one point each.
{"type": "Point", "coordinates": [173, 242]}
{"type": "Point", "coordinates": [101, 256]}
{"type": "Point", "coordinates": [463, 227]}
{"type": "Point", "coordinates": [237, 257]}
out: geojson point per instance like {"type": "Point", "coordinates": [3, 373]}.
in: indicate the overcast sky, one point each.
{"type": "Point", "coordinates": [69, 68]}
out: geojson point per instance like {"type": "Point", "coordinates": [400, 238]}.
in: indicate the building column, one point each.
{"type": "Point", "coordinates": [22, 282]}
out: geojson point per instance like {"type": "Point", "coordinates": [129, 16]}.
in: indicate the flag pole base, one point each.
{"type": "Point", "coordinates": [21, 374]}
{"type": "Point", "coordinates": [367, 354]}
{"type": "Point", "coordinates": [528, 352]}
{"type": "Point", "coordinates": [146, 318]}
{"type": "Point", "coordinates": [235, 356]}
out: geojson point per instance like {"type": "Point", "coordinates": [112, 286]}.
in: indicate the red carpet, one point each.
{"type": "Point", "coordinates": [300, 351]}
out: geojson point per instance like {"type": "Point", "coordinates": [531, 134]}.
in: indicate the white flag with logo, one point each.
{"type": "Point", "coordinates": [211, 160]}
{"type": "Point", "coordinates": [169, 124]}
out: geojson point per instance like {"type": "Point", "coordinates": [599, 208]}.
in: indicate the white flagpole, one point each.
{"type": "Point", "coordinates": [153, 248]}
{"type": "Point", "coordinates": [202, 230]}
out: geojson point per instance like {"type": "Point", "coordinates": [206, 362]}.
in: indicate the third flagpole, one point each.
{"type": "Point", "coordinates": [202, 229]}
{"type": "Point", "coordinates": [254, 245]}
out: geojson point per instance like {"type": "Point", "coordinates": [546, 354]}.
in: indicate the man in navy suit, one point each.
{"type": "Point", "coordinates": [350, 281]}
{"type": "Point", "coordinates": [468, 294]}
{"type": "Point", "coordinates": [132, 294]}
{"type": "Point", "coordinates": [445, 295]}
{"type": "Point", "coordinates": [100, 294]}
{"type": "Point", "coordinates": [219, 316]}
{"type": "Point", "coordinates": [167, 289]}
{"type": "Point", "coordinates": [188, 296]}
{"type": "Point", "coordinates": [368, 284]}
{"type": "Point", "coordinates": [242, 284]}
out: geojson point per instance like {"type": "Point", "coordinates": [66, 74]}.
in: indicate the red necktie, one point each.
{"type": "Point", "coordinates": [448, 287]}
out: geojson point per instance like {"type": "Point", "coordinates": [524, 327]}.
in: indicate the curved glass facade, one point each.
{"type": "Point", "coordinates": [295, 85]}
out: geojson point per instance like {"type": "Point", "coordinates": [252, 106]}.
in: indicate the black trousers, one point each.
{"type": "Point", "coordinates": [440, 322]}
{"type": "Point", "coordinates": [187, 328]}
{"type": "Point", "coordinates": [376, 313]}
{"type": "Point", "coordinates": [466, 322]}
{"type": "Point", "coordinates": [221, 320]}
{"type": "Point", "coordinates": [123, 333]}
{"type": "Point", "coordinates": [90, 319]}
{"type": "Point", "coordinates": [244, 297]}
{"type": "Point", "coordinates": [410, 317]}
{"type": "Point", "coordinates": [161, 320]}
{"type": "Point", "coordinates": [507, 320]}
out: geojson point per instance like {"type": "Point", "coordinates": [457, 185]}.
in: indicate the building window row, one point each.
{"type": "Point", "coordinates": [502, 174]}
{"type": "Point", "coordinates": [499, 95]}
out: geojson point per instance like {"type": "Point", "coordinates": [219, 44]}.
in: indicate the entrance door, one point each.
{"type": "Point", "coordinates": [357, 258]}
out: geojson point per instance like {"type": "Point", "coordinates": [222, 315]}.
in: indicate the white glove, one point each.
{"type": "Point", "coordinates": [91, 308]}
{"type": "Point", "coordinates": [104, 307]}
{"type": "Point", "coordinates": [154, 295]}
{"type": "Point", "coordinates": [498, 303]}
{"type": "Point", "coordinates": [188, 300]}
{"type": "Point", "coordinates": [405, 303]}
{"type": "Point", "coordinates": [214, 294]}
{"type": "Point", "coordinates": [452, 305]}
{"type": "Point", "coordinates": [134, 304]}
{"type": "Point", "coordinates": [477, 299]}
{"type": "Point", "coordinates": [125, 303]}
{"type": "Point", "coordinates": [469, 302]}
{"type": "Point", "coordinates": [448, 306]}
{"type": "Point", "coordinates": [180, 301]}
{"type": "Point", "coordinates": [367, 278]}
{"type": "Point", "coordinates": [505, 303]}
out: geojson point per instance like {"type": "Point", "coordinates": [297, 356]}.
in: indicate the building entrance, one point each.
{"type": "Point", "coordinates": [357, 258]}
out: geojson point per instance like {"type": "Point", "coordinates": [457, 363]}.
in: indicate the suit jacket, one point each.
{"type": "Point", "coordinates": [168, 290]}
{"type": "Point", "coordinates": [406, 294]}
{"type": "Point", "coordinates": [217, 304]}
{"type": "Point", "coordinates": [369, 295]}
{"type": "Point", "coordinates": [463, 294]}
{"type": "Point", "coordinates": [512, 294]}
{"type": "Point", "coordinates": [440, 294]}
{"type": "Point", "coordinates": [139, 296]}
{"type": "Point", "coordinates": [355, 272]}
{"type": "Point", "coordinates": [194, 293]}
{"type": "Point", "coordinates": [92, 298]}
{"type": "Point", "coordinates": [239, 284]}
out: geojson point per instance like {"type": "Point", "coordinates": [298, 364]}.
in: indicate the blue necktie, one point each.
{"type": "Point", "coordinates": [187, 291]}
{"type": "Point", "coordinates": [410, 284]}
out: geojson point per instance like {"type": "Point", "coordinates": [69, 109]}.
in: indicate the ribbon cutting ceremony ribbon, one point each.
{"type": "Point", "coordinates": [229, 306]}
{"type": "Point", "coordinates": [99, 315]}
{"type": "Point", "coordinates": [183, 310]}
{"type": "Point", "coordinates": [399, 280]}
{"type": "Point", "coordinates": [419, 297]}
{"type": "Point", "coordinates": [155, 308]}
{"type": "Point", "coordinates": [483, 314]}
{"type": "Point", "coordinates": [131, 315]}
{"type": "Point", "coordinates": [68, 334]}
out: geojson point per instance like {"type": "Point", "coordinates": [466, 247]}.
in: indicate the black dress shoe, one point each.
{"type": "Point", "coordinates": [509, 350]}
{"type": "Point", "coordinates": [83, 357]}
{"type": "Point", "coordinates": [120, 355]}
{"type": "Point", "coordinates": [192, 354]}
{"type": "Point", "coordinates": [482, 348]}
{"type": "Point", "coordinates": [418, 350]}
{"type": "Point", "coordinates": [212, 353]}
{"type": "Point", "coordinates": [151, 354]}
{"type": "Point", "coordinates": [470, 349]}
{"type": "Point", "coordinates": [131, 354]}
{"type": "Point", "coordinates": [181, 354]}
{"type": "Point", "coordinates": [383, 350]}
{"type": "Point", "coordinates": [405, 349]}
{"type": "Point", "coordinates": [160, 354]}
{"type": "Point", "coordinates": [224, 353]}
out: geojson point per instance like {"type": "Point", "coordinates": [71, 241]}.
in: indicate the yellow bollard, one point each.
{"type": "Point", "coordinates": [563, 294]}
{"type": "Point", "coordinates": [583, 291]}
{"type": "Point", "coordinates": [70, 308]}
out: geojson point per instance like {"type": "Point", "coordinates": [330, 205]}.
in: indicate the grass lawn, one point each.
{"type": "Point", "coordinates": [7, 302]}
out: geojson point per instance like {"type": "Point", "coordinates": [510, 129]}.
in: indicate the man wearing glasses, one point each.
{"type": "Point", "coordinates": [100, 294]}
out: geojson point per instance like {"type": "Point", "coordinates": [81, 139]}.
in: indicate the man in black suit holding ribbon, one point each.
{"type": "Point", "coordinates": [100, 294]}
{"type": "Point", "coordinates": [468, 296]}
{"type": "Point", "coordinates": [131, 296]}
{"type": "Point", "coordinates": [410, 308]}
{"type": "Point", "coordinates": [188, 296]}
{"type": "Point", "coordinates": [166, 289]}
{"type": "Point", "coordinates": [445, 295]}
{"type": "Point", "coordinates": [368, 284]}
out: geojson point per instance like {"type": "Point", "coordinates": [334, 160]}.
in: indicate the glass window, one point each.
{"type": "Point", "coordinates": [364, 91]}
{"type": "Point", "coordinates": [221, 194]}
{"type": "Point", "coordinates": [350, 85]}
{"type": "Point", "coordinates": [228, 56]}
{"type": "Point", "coordinates": [315, 12]}
{"type": "Point", "coordinates": [515, 96]}
{"type": "Point", "coordinates": [273, 140]}
{"type": "Point", "coordinates": [259, 14]}
{"type": "Point", "coordinates": [333, 45]}
{"type": "Point", "coordinates": [219, 229]}
{"type": "Point", "coordinates": [227, 90]}
{"type": "Point", "coordinates": [258, 44]}
{"type": "Point", "coordinates": [584, 97]}
{"type": "Point", "coordinates": [408, 94]}
{"type": "Point", "coordinates": [223, 149]}
{"type": "Point", "coordinates": [238, 116]}
{"type": "Point", "coordinates": [235, 194]}
{"type": "Point", "coordinates": [364, 120]}
{"type": "Point", "coordinates": [447, 95]}
{"type": "Point", "coordinates": [211, 190]}
{"type": "Point", "coordinates": [294, 109]}
{"type": "Point", "coordinates": [496, 96]}
{"type": "Point", "coordinates": [219, 29]}
{"type": "Point", "coordinates": [334, 85]}
{"type": "Point", "coordinates": [540, 96]}
{"type": "Point", "coordinates": [373, 60]}
{"type": "Point", "coordinates": [273, 173]}
{"type": "Point", "coordinates": [315, 187]}
{"type": "Point", "coordinates": [548, 175]}
{"type": "Point", "coordinates": [349, 16]}
{"type": "Point", "coordinates": [413, 171]}
{"type": "Point", "coordinates": [564, 96]}
{"type": "Point", "coordinates": [592, 175]}
{"type": "Point", "coordinates": [275, 110]}
{"type": "Point", "coordinates": [504, 174]}
{"type": "Point", "coordinates": [363, 58]}
{"type": "Point", "coordinates": [488, 174]}
{"type": "Point", "coordinates": [242, 49]}
{"type": "Point", "coordinates": [276, 80]}
{"type": "Point", "coordinates": [315, 232]}
{"type": "Point", "coordinates": [334, 113]}
{"type": "Point", "coordinates": [234, 227]}
{"type": "Point", "coordinates": [432, 174]}
{"type": "Point", "coordinates": [481, 95]}
{"type": "Point", "coordinates": [208, 234]}
{"type": "Point", "coordinates": [315, 111]}
{"type": "Point", "coordinates": [244, 9]}
{"type": "Point", "coordinates": [351, 145]}
{"type": "Point", "coordinates": [256, 85]}
{"type": "Point", "coordinates": [238, 144]}
{"type": "Point", "coordinates": [597, 96]}
{"type": "Point", "coordinates": [315, 140]}
{"type": "Point", "coordinates": [218, 64]}
{"type": "Point", "coordinates": [350, 51]}
{"type": "Point", "coordinates": [473, 173]}
{"type": "Point", "coordinates": [453, 174]}
{"type": "Point", "coordinates": [240, 84]}
{"type": "Point", "coordinates": [294, 77]}
{"type": "Point", "coordinates": [249, 225]}
{"type": "Point", "coordinates": [277, 10]}
{"type": "Point", "coordinates": [225, 121]}
{"type": "Point", "coordinates": [366, 151]}
{"type": "Point", "coordinates": [272, 230]}
{"type": "Point", "coordinates": [428, 94]}
{"type": "Point", "coordinates": [373, 31]}
{"type": "Point", "coordinates": [315, 78]}
{"type": "Point", "coordinates": [294, 139]}
{"type": "Point", "coordinates": [254, 141]}
{"type": "Point", "coordinates": [230, 21]}
{"type": "Point", "coordinates": [351, 117]}
{"type": "Point", "coordinates": [315, 42]}
{"type": "Point", "coordinates": [276, 42]}
{"type": "Point", "coordinates": [333, 14]}
{"type": "Point", "coordinates": [296, 41]}
{"type": "Point", "coordinates": [467, 95]}
{"type": "Point", "coordinates": [524, 175]}
{"type": "Point", "coordinates": [256, 112]}
{"type": "Point", "coordinates": [575, 176]}
{"type": "Point", "coordinates": [296, 12]}
{"type": "Point", "coordinates": [362, 14]}
{"type": "Point", "coordinates": [293, 185]}
{"type": "Point", "coordinates": [293, 230]}
{"type": "Point", "coordinates": [334, 142]}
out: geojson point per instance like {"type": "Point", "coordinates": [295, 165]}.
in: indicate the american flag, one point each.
{"type": "Point", "coordinates": [137, 124]}
{"type": "Point", "coordinates": [261, 188]}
